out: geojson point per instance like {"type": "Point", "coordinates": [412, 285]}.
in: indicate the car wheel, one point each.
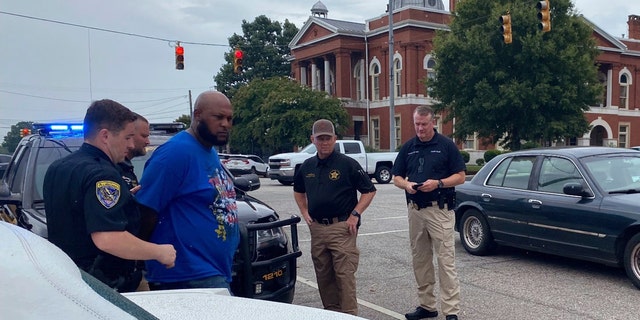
{"type": "Point", "coordinates": [475, 235]}
{"type": "Point", "coordinates": [286, 183]}
{"type": "Point", "coordinates": [632, 260]}
{"type": "Point", "coordinates": [383, 175]}
{"type": "Point", "coordinates": [253, 170]}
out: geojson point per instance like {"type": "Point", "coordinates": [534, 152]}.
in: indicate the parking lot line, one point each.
{"type": "Point", "coordinates": [364, 303]}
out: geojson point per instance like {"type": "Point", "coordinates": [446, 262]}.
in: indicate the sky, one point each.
{"type": "Point", "coordinates": [59, 55]}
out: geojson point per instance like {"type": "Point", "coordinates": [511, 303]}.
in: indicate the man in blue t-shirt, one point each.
{"type": "Point", "coordinates": [186, 188]}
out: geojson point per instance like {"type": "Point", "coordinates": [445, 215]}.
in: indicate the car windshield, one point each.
{"type": "Point", "coordinates": [310, 149]}
{"type": "Point", "coordinates": [619, 173]}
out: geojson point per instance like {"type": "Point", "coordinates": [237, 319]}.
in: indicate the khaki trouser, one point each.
{"type": "Point", "coordinates": [431, 231]}
{"type": "Point", "coordinates": [335, 259]}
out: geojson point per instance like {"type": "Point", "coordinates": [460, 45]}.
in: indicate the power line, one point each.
{"type": "Point", "coordinates": [111, 31]}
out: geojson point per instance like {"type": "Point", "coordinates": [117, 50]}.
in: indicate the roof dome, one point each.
{"type": "Point", "coordinates": [432, 4]}
{"type": "Point", "coordinates": [319, 9]}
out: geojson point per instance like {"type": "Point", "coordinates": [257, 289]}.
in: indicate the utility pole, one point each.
{"type": "Point", "coordinates": [392, 111]}
{"type": "Point", "coordinates": [190, 108]}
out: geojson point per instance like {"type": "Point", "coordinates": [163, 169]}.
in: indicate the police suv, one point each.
{"type": "Point", "coordinates": [265, 262]}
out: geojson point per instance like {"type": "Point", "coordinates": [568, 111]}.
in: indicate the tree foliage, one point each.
{"type": "Point", "coordinates": [185, 118]}
{"type": "Point", "coordinates": [276, 114]}
{"type": "Point", "coordinates": [534, 89]}
{"type": "Point", "coordinates": [265, 45]}
{"type": "Point", "coordinates": [13, 137]}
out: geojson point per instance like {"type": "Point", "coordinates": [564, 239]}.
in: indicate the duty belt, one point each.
{"type": "Point", "coordinates": [328, 221]}
{"type": "Point", "coordinates": [415, 206]}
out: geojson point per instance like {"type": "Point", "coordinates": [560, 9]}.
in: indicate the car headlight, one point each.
{"type": "Point", "coordinates": [271, 238]}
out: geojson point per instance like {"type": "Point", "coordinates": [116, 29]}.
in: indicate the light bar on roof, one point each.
{"type": "Point", "coordinates": [58, 128]}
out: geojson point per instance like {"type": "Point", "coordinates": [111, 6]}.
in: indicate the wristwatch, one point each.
{"type": "Point", "coordinates": [440, 184]}
{"type": "Point", "coordinates": [355, 213]}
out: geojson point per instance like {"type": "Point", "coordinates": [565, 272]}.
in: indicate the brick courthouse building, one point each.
{"type": "Point", "coordinates": [350, 60]}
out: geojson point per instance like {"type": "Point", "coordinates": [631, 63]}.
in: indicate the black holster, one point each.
{"type": "Point", "coordinates": [120, 281]}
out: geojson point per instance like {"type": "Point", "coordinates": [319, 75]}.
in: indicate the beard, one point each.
{"type": "Point", "coordinates": [203, 131]}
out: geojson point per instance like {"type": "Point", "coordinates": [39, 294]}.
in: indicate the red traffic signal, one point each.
{"type": "Point", "coordinates": [238, 55]}
{"type": "Point", "coordinates": [179, 57]}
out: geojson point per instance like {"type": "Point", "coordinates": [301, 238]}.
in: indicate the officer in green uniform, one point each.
{"type": "Point", "coordinates": [91, 215]}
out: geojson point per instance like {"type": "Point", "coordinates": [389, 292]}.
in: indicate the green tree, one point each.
{"type": "Point", "coordinates": [265, 45]}
{"type": "Point", "coordinates": [275, 115]}
{"type": "Point", "coordinates": [13, 137]}
{"type": "Point", "coordinates": [185, 118]}
{"type": "Point", "coordinates": [534, 89]}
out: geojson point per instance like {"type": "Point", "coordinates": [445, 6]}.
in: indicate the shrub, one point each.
{"type": "Point", "coordinates": [490, 154]}
{"type": "Point", "coordinates": [480, 162]}
{"type": "Point", "coordinates": [465, 155]}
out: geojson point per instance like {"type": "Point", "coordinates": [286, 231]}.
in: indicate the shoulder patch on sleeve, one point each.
{"type": "Point", "coordinates": [108, 193]}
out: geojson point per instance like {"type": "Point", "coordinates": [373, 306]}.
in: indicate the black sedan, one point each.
{"type": "Point", "coordinates": [580, 202]}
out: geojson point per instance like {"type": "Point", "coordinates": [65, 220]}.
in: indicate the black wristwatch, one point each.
{"type": "Point", "coordinates": [355, 213]}
{"type": "Point", "coordinates": [440, 184]}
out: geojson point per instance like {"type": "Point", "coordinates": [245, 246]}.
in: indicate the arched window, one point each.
{"type": "Point", "coordinates": [357, 74]}
{"type": "Point", "coordinates": [375, 79]}
{"type": "Point", "coordinates": [397, 68]}
{"type": "Point", "coordinates": [625, 83]}
{"type": "Point", "coordinates": [430, 66]}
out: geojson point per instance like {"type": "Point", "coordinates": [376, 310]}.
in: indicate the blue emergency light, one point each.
{"type": "Point", "coordinates": [63, 129]}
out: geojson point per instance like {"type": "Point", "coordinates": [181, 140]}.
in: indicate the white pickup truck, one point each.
{"type": "Point", "coordinates": [377, 164]}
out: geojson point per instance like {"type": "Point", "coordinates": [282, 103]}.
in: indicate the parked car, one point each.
{"type": "Point", "coordinates": [377, 164]}
{"type": "Point", "coordinates": [42, 282]}
{"type": "Point", "coordinates": [245, 163]}
{"type": "Point", "coordinates": [578, 202]}
{"type": "Point", "coordinates": [4, 163]}
{"type": "Point", "coordinates": [265, 263]}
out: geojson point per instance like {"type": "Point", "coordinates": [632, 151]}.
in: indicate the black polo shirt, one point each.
{"type": "Point", "coordinates": [435, 159]}
{"type": "Point", "coordinates": [129, 176]}
{"type": "Point", "coordinates": [84, 193]}
{"type": "Point", "coordinates": [331, 185]}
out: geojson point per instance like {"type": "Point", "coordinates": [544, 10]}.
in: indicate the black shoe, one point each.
{"type": "Point", "coordinates": [421, 313]}
{"type": "Point", "coordinates": [452, 317]}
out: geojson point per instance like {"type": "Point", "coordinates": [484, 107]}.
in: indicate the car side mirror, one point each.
{"type": "Point", "coordinates": [576, 189]}
{"type": "Point", "coordinates": [247, 182]}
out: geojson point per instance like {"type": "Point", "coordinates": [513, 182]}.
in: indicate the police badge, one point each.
{"type": "Point", "coordinates": [108, 193]}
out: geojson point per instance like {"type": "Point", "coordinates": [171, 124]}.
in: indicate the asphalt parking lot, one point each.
{"type": "Point", "coordinates": [513, 284]}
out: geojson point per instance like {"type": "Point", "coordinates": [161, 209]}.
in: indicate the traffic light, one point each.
{"type": "Point", "coordinates": [237, 61]}
{"type": "Point", "coordinates": [179, 57]}
{"type": "Point", "coordinates": [506, 28]}
{"type": "Point", "coordinates": [25, 132]}
{"type": "Point", "coordinates": [544, 15]}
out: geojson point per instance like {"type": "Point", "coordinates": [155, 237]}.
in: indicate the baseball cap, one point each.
{"type": "Point", "coordinates": [323, 127]}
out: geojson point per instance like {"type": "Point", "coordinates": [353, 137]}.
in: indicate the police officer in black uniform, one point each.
{"type": "Point", "coordinates": [140, 143]}
{"type": "Point", "coordinates": [427, 168]}
{"type": "Point", "coordinates": [326, 190]}
{"type": "Point", "coordinates": [91, 215]}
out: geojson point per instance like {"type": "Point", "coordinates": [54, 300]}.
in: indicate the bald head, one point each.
{"type": "Point", "coordinates": [212, 116]}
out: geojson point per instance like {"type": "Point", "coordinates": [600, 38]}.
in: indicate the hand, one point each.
{"type": "Point", "coordinates": [410, 189]}
{"type": "Point", "coordinates": [135, 189]}
{"type": "Point", "coordinates": [307, 218]}
{"type": "Point", "coordinates": [352, 224]}
{"type": "Point", "coordinates": [167, 255]}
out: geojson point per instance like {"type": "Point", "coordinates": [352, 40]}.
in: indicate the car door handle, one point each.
{"type": "Point", "coordinates": [486, 197]}
{"type": "Point", "coordinates": [535, 203]}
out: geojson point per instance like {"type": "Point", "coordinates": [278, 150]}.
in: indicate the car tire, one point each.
{"type": "Point", "coordinates": [632, 260]}
{"type": "Point", "coordinates": [286, 183]}
{"type": "Point", "coordinates": [253, 170]}
{"type": "Point", "coordinates": [383, 175]}
{"type": "Point", "coordinates": [475, 234]}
